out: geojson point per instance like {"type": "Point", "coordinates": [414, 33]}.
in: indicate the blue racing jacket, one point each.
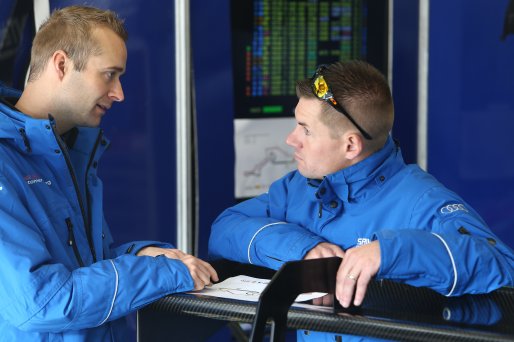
{"type": "Point", "coordinates": [428, 235]}
{"type": "Point", "coordinates": [60, 277]}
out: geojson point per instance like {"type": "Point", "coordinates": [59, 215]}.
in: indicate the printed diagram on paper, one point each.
{"type": "Point", "coordinates": [246, 288]}
{"type": "Point", "coordinates": [262, 156]}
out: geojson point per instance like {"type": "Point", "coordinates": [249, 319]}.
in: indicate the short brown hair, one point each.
{"type": "Point", "coordinates": [70, 29]}
{"type": "Point", "coordinates": [364, 93]}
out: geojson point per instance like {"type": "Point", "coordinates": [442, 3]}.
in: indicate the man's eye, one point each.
{"type": "Point", "coordinates": [306, 131]}
{"type": "Point", "coordinates": [109, 74]}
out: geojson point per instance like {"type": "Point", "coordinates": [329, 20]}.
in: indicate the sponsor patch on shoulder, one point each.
{"type": "Point", "coordinates": [452, 208]}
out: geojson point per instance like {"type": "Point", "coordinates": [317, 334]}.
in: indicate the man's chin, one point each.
{"type": "Point", "coordinates": [303, 172]}
{"type": "Point", "coordinates": [308, 174]}
{"type": "Point", "coordinates": [92, 124]}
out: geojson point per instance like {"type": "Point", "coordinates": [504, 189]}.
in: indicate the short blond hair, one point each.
{"type": "Point", "coordinates": [70, 29]}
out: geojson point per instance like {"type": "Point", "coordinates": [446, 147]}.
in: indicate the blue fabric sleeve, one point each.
{"type": "Point", "coordinates": [246, 233]}
{"type": "Point", "coordinates": [453, 251]}
{"type": "Point", "coordinates": [39, 293]}
{"type": "Point", "coordinates": [135, 246]}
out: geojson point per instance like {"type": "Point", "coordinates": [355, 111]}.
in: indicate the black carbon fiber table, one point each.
{"type": "Point", "coordinates": [390, 311]}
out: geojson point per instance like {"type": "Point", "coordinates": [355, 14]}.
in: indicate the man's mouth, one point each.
{"type": "Point", "coordinates": [104, 108]}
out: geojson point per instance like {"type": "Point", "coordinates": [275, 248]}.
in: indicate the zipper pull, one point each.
{"type": "Point", "coordinates": [129, 250]}
{"type": "Point", "coordinates": [320, 212]}
{"type": "Point", "coordinates": [71, 237]}
{"type": "Point", "coordinates": [72, 242]}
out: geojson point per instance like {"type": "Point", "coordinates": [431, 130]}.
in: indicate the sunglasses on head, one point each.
{"type": "Point", "coordinates": [322, 91]}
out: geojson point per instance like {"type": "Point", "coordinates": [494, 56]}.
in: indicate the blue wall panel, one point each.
{"type": "Point", "coordinates": [138, 170]}
{"type": "Point", "coordinates": [471, 107]}
{"type": "Point", "coordinates": [210, 36]}
{"type": "Point", "coordinates": [405, 77]}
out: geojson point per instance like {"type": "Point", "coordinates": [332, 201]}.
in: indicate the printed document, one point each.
{"type": "Point", "coordinates": [246, 288]}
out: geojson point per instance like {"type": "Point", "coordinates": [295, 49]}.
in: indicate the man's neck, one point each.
{"type": "Point", "coordinates": [32, 104]}
{"type": "Point", "coordinates": [37, 105]}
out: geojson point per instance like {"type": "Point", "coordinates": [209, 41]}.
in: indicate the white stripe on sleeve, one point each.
{"type": "Point", "coordinates": [115, 293]}
{"type": "Point", "coordinates": [453, 264]}
{"type": "Point", "coordinates": [254, 235]}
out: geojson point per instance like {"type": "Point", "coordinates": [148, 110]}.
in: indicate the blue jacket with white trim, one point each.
{"type": "Point", "coordinates": [428, 235]}
{"type": "Point", "coordinates": [61, 279]}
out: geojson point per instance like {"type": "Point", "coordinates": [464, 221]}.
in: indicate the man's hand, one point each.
{"type": "Point", "coordinates": [326, 300]}
{"type": "Point", "coordinates": [155, 251]}
{"type": "Point", "coordinates": [201, 272]}
{"type": "Point", "coordinates": [359, 265]}
{"type": "Point", "coordinates": [324, 250]}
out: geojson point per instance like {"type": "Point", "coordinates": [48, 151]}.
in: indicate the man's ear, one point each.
{"type": "Point", "coordinates": [353, 145]}
{"type": "Point", "coordinates": [60, 63]}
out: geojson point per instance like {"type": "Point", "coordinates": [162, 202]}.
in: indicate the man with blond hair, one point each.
{"type": "Point", "coordinates": [61, 278]}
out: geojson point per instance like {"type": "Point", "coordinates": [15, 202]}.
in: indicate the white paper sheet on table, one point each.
{"type": "Point", "coordinates": [246, 288]}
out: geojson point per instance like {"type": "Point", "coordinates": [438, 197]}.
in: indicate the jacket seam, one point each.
{"type": "Point", "coordinates": [115, 293]}
{"type": "Point", "coordinates": [453, 264]}
{"type": "Point", "coordinates": [254, 235]}
{"type": "Point", "coordinates": [45, 300]}
{"type": "Point", "coordinates": [419, 200]}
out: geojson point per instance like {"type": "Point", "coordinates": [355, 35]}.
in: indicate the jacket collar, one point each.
{"type": "Point", "coordinates": [362, 180]}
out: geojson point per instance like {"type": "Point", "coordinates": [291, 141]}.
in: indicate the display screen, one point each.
{"type": "Point", "coordinates": [277, 42]}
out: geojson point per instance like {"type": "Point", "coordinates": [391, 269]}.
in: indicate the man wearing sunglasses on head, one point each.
{"type": "Point", "coordinates": [354, 197]}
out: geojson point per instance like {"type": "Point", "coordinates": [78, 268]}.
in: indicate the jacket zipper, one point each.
{"type": "Point", "coordinates": [89, 230]}
{"type": "Point", "coordinates": [25, 140]}
{"type": "Point", "coordinates": [77, 191]}
{"type": "Point", "coordinates": [72, 242]}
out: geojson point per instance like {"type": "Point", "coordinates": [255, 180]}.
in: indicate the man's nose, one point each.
{"type": "Point", "coordinates": [116, 93]}
{"type": "Point", "coordinates": [291, 139]}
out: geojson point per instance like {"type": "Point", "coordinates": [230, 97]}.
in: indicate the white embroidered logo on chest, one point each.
{"type": "Point", "coordinates": [362, 241]}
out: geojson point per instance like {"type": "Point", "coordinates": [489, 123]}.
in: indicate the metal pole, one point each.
{"type": "Point", "coordinates": [183, 127]}
{"type": "Point", "coordinates": [390, 37]}
{"type": "Point", "coordinates": [424, 9]}
{"type": "Point", "coordinates": [41, 13]}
